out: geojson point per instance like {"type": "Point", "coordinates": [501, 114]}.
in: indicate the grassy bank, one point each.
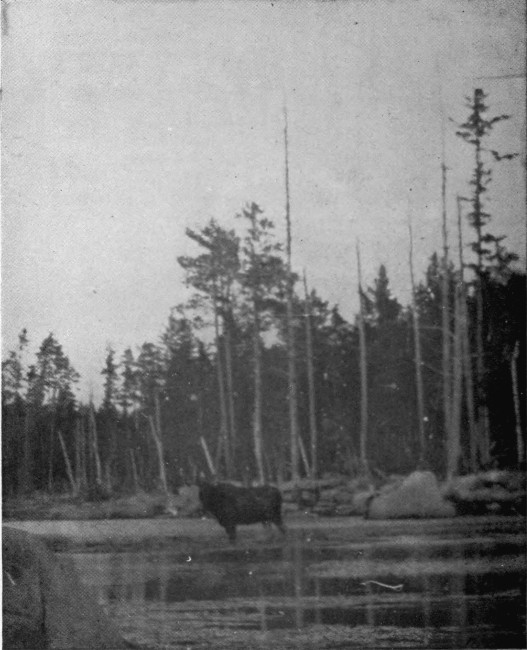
{"type": "Point", "coordinates": [64, 507]}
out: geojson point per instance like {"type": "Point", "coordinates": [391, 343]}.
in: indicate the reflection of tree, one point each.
{"type": "Point", "coordinates": [298, 574]}
{"type": "Point", "coordinates": [459, 601]}
{"type": "Point", "coordinates": [426, 586]}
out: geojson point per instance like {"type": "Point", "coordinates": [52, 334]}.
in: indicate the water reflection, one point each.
{"type": "Point", "coordinates": [455, 595]}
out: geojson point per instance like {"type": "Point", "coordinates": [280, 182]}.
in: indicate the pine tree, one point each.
{"type": "Point", "coordinates": [50, 395]}
{"type": "Point", "coordinates": [263, 278]}
{"type": "Point", "coordinates": [475, 131]}
{"type": "Point", "coordinates": [213, 274]}
{"type": "Point", "coordinates": [110, 381]}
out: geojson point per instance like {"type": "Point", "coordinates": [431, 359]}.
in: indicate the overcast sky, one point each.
{"type": "Point", "coordinates": [125, 122]}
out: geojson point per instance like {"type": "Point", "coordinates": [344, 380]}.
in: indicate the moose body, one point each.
{"type": "Point", "coordinates": [232, 505]}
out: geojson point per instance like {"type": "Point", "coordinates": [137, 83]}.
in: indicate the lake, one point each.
{"type": "Point", "coordinates": [330, 584]}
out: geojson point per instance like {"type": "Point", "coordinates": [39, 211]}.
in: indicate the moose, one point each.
{"type": "Point", "coordinates": [232, 506]}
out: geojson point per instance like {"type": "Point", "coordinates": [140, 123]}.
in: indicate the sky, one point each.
{"type": "Point", "coordinates": [125, 122]}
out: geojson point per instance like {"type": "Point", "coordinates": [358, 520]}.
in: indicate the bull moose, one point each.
{"type": "Point", "coordinates": [232, 505]}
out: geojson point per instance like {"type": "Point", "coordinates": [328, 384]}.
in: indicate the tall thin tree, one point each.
{"type": "Point", "coordinates": [291, 353]}
{"type": "Point", "coordinates": [363, 373]}
{"type": "Point", "coordinates": [466, 348]}
{"type": "Point", "coordinates": [474, 131]}
{"type": "Point", "coordinates": [263, 278]}
{"type": "Point", "coordinates": [417, 354]}
{"type": "Point", "coordinates": [454, 426]}
{"type": "Point", "coordinates": [310, 381]}
{"type": "Point", "coordinates": [212, 273]}
{"type": "Point", "coordinates": [445, 307]}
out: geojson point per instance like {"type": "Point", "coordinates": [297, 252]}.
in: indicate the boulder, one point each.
{"type": "Point", "coordinates": [494, 491]}
{"type": "Point", "coordinates": [45, 606]}
{"type": "Point", "coordinates": [418, 495]}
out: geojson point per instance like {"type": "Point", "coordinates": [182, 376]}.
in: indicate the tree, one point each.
{"type": "Point", "coordinates": [418, 358]}
{"type": "Point", "coordinates": [363, 374]}
{"type": "Point", "coordinates": [128, 392]}
{"type": "Point", "coordinates": [291, 353]}
{"type": "Point", "coordinates": [17, 441]}
{"type": "Point", "coordinates": [213, 274]}
{"type": "Point", "coordinates": [391, 379]}
{"type": "Point", "coordinates": [13, 374]}
{"type": "Point", "coordinates": [128, 399]}
{"type": "Point", "coordinates": [475, 131]}
{"type": "Point", "coordinates": [50, 396]}
{"type": "Point", "coordinates": [382, 305]}
{"type": "Point", "coordinates": [311, 381]}
{"type": "Point", "coordinates": [110, 381]}
{"type": "Point", "coordinates": [150, 369]}
{"type": "Point", "coordinates": [263, 278]}
{"type": "Point", "coordinates": [462, 333]}
{"type": "Point", "coordinates": [108, 417]}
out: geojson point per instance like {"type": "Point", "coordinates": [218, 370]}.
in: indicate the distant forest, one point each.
{"type": "Point", "coordinates": [258, 378]}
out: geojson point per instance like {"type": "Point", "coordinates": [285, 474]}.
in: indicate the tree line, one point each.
{"type": "Point", "coordinates": [257, 377]}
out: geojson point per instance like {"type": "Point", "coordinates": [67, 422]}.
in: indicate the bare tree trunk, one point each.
{"type": "Point", "coordinates": [95, 447]}
{"type": "Point", "coordinates": [303, 456]}
{"type": "Point", "coordinates": [257, 413]}
{"type": "Point", "coordinates": [82, 477]}
{"type": "Point", "coordinates": [363, 375]}
{"type": "Point", "coordinates": [224, 446]}
{"type": "Point", "coordinates": [291, 354]}
{"type": "Point", "coordinates": [515, 395]}
{"type": "Point", "coordinates": [453, 438]}
{"type": "Point", "coordinates": [230, 392]}
{"type": "Point", "coordinates": [135, 477]}
{"type": "Point", "coordinates": [466, 352]}
{"type": "Point", "coordinates": [208, 457]}
{"type": "Point", "coordinates": [26, 474]}
{"type": "Point", "coordinates": [445, 314]}
{"type": "Point", "coordinates": [77, 456]}
{"type": "Point", "coordinates": [155, 429]}
{"type": "Point", "coordinates": [417, 358]}
{"type": "Point", "coordinates": [482, 411]}
{"type": "Point", "coordinates": [69, 472]}
{"type": "Point", "coordinates": [52, 442]}
{"type": "Point", "coordinates": [311, 383]}
{"type": "Point", "coordinates": [50, 458]}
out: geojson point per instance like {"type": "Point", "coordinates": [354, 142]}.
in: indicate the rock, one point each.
{"type": "Point", "coordinates": [45, 606]}
{"type": "Point", "coordinates": [497, 491]}
{"type": "Point", "coordinates": [418, 495]}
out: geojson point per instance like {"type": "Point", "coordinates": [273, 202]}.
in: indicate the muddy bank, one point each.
{"type": "Point", "coordinates": [66, 507]}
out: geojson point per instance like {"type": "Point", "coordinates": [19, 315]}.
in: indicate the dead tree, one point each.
{"type": "Point", "coordinates": [417, 357]}
{"type": "Point", "coordinates": [291, 352]}
{"type": "Point", "coordinates": [363, 374]}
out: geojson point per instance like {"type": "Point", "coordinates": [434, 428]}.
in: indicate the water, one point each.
{"type": "Point", "coordinates": [307, 592]}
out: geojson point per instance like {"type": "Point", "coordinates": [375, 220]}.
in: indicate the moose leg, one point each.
{"type": "Point", "coordinates": [230, 529]}
{"type": "Point", "coordinates": [280, 525]}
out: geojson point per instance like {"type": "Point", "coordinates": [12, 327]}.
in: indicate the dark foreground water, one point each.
{"type": "Point", "coordinates": [402, 591]}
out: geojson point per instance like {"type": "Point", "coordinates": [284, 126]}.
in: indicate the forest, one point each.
{"type": "Point", "coordinates": [258, 379]}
